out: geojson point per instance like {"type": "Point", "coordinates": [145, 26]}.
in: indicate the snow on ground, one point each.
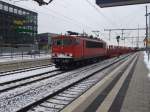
{"type": "Point", "coordinates": [25, 74]}
{"type": "Point", "coordinates": [147, 60]}
{"type": "Point", "coordinates": [13, 100]}
{"type": "Point", "coordinates": [9, 58]}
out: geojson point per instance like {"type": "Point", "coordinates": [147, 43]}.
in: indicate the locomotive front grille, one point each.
{"type": "Point", "coordinates": [62, 60]}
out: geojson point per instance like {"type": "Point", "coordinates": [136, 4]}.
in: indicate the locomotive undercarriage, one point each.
{"type": "Point", "coordinates": [70, 63]}
{"type": "Point", "coordinates": [63, 63]}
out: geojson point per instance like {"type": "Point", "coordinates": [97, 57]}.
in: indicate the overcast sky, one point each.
{"type": "Point", "coordinates": [84, 15]}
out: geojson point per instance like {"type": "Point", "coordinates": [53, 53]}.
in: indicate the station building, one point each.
{"type": "Point", "coordinates": [18, 26]}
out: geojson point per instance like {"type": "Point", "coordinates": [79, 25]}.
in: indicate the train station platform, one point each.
{"type": "Point", "coordinates": [130, 95]}
{"type": "Point", "coordinates": [137, 98]}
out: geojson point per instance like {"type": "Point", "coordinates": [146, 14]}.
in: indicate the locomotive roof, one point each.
{"type": "Point", "coordinates": [82, 37]}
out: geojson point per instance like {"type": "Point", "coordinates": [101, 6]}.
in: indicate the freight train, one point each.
{"type": "Point", "coordinates": [73, 50]}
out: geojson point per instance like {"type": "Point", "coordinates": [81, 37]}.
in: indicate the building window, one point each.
{"type": "Point", "coordinates": [10, 9]}
{"type": "Point", "coordinates": [1, 6]}
{"type": "Point", "coordinates": [5, 7]}
{"type": "Point", "coordinates": [15, 11]}
{"type": "Point", "coordinates": [35, 28]}
{"type": "Point", "coordinates": [24, 13]}
{"type": "Point", "coordinates": [20, 12]}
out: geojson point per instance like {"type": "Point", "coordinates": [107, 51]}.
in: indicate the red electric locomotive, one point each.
{"type": "Point", "coordinates": [74, 50]}
{"type": "Point", "coordinates": [70, 50]}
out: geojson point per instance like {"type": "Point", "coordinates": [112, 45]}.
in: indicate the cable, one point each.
{"type": "Point", "coordinates": [52, 15]}
{"type": "Point", "coordinates": [99, 12]}
{"type": "Point", "coordinates": [66, 19]}
{"type": "Point", "coordinates": [40, 2]}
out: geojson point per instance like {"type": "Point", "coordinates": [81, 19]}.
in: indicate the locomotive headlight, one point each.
{"type": "Point", "coordinates": [53, 54]}
{"type": "Point", "coordinates": [70, 54]}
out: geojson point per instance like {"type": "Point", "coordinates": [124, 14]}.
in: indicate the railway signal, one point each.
{"type": "Point", "coordinates": [123, 30]}
{"type": "Point", "coordinates": [118, 39]}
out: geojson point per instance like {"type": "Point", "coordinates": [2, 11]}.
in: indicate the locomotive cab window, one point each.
{"type": "Point", "coordinates": [67, 42]}
{"type": "Point", "coordinates": [77, 41]}
{"type": "Point", "coordinates": [60, 42]}
{"type": "Point", "coordinates": [56, 42]}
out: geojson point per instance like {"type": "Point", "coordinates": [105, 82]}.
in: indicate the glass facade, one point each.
{"type": "Point", "coordinates": [17, 25]}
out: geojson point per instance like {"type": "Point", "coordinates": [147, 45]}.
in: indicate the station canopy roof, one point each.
{"type": "Point", "coordinates": [112, 3]}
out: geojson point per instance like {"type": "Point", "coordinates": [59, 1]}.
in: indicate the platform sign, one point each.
{"type": "Point", "coordinates": [147, 42]}
{"type": "Point", "coordinates": [112, 3]}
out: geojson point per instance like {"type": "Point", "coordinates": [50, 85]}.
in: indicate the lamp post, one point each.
{"type": "Point", "coordinates": [149, 26]}
{"type": "Point", "coordinates": [148, 31]}
{"type": "Point", "coordinates": [146, 38]}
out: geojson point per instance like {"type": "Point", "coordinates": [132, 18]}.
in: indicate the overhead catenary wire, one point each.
{"type": "Point", "coordinates": [61, 15]}
{"type": "Point", "coordinates": [74, 11]}
{"type": "Point", "coordinates": [94, 6]}
{"type": "Point", "coordinates": [99, 12]}
{"type": "Point", "coordinates": [65, 18]}
{"type": "Point", "coordinates": [71, 20]}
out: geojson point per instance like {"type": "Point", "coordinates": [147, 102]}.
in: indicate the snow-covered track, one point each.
{"type": "Point", "coordinates": [22, 64]}
{"type": "Point", "coordinates": [57, 102]}
{"type": "Point", "coordinates": [9, 83]}
{"type": "Point", "coordinates": [23, 98]}
{"type": "Point", "coordinates": [25, 70]}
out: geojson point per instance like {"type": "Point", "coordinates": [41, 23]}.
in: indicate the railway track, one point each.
{"type": "Point", "coordinates": [29, 77]}
{"type": "Point", "coordinates": [25, 70]}
{"type": "Point", "coordinates": [12, 83]}
{"type": "Point", "coordinates": [57, 102]}
{"type": "Point", "coordinates": [18, 81]}
{"type": "Point", "coordinates": [21, 65]}
{"type": "Point", "coordinates": [27, 95]}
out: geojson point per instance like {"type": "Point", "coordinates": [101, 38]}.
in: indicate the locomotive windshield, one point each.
{"type": "Point", "coordinates": [64, 42]}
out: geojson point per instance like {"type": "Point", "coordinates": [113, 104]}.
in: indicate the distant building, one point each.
{"type": "Point", "coordinates": [44, 40]}
{"type": "Point", "coordinates": [18, 26]}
